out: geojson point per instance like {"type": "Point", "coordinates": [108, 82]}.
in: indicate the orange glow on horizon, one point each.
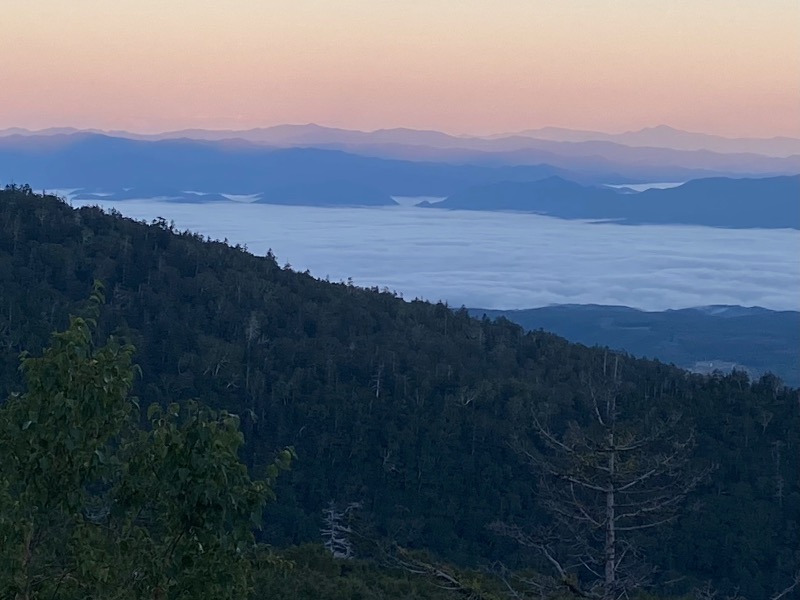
{"type": "Point", "coordinates": [462, 66]}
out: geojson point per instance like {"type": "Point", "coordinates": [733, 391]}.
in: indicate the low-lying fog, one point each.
{"type": "Point", "coordinates": [506, 260]}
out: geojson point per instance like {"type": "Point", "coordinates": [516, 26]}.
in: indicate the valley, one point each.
{"type": "Point", "coordinates": [420, 300]}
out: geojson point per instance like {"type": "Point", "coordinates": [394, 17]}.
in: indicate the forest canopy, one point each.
{"type": "Point", "coordinates": [414, 411]}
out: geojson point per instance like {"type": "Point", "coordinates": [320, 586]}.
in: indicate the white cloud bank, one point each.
{"type": "Point", "coordinates": [507, 260]}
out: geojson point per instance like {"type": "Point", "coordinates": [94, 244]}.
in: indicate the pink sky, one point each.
{"type": "Point", "coordinates": [462, 66]}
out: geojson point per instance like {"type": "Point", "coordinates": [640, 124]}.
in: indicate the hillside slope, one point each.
{"type": "Point", "coordinates": [755, 339]}
{"type": "Point", "coordinates": [407, 407]}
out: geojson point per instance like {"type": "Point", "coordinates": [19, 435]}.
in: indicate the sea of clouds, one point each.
{"type": "Point", "coordinates": [506, 260]}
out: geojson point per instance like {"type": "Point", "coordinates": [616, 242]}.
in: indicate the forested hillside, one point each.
{"type": "Point", "coordinates": [421, 414]}
{"type": "Point", "coordinates": [754, 339]}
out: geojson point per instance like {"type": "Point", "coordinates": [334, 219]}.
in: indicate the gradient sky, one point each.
{"type": "Point", "coordinates": [462, 66]}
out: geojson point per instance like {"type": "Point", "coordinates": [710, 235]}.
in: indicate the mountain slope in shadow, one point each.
{"type": "Point", "coordinates": [754, 339]}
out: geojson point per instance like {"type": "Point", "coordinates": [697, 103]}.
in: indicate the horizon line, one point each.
{"type": "Point", "coordinates": [524, 131]}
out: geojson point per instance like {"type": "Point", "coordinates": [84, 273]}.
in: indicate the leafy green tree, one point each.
{"type": "Point", "coordinates": [93, 506]}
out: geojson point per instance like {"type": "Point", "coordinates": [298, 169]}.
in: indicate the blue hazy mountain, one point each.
{"type": "Point", "coordinates": [109, 164]}
{"type": "Point", "coordinates": [585, 161]}
{"type": "Point", "coordinates": [167, 168]}
{"type": "Point", "coordinates": [701, 339]}
{"type": "Point", "coordinates": [554, 196]}
{"type": "Point", "coordinates": [655, 154]}
{"type": "Point", "coordinates": [771, 202]}
{"type": "Point", "coordinates": [766, 202]}
{"type": "Point", "coordinates": [664, 136]}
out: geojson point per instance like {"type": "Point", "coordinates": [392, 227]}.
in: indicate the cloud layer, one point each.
{"type": "Point", "coordinates": [508, 260]}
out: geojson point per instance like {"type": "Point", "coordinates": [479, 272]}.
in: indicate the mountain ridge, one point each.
{"type": "Point", "coordinates": [753, 339]}
{"type": "Point", "coordinates": [112, 164]}
{"type": "Point", "coordinates": [662, 136]}
{"type": "Point", "coordinates": [770, 202]}
{"type": "Point", "coordinates": [671, 137]}
{"type": "Point", "coordinates": [405, 143]}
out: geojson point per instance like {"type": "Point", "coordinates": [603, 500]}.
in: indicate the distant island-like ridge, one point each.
{"type": "Point", "coordinates": [771, 202]}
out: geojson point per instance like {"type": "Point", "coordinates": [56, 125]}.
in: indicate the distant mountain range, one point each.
{"type": "Point", "coordinates": [701, 339]}
{"type": "Point", "coordinates": [664, 136]}
{"type": "Point", "coordinates": [772, 202]}
{"type": "Point", "coordinates": [657, 154]}
{"type": "Point", "coordinates": [661, 136]}
{"type": "Point", "coordinates": [184, 170]}
{"type": "Point", "coordinates": [101, 164]}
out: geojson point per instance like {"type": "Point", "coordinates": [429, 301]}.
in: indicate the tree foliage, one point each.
{"type": "Point", "coordinates": [405, 407]}
{"type": "Point", "coordinates": [94, 506]}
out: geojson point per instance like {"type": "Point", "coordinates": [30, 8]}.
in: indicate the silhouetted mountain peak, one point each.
{"type": "Point", "coordinates": [661, 128]}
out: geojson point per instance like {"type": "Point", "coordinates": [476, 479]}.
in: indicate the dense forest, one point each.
{"type": "Point", "coordinates": [432, 433]}
{"type": "Point", "coordinates": [754, 339]}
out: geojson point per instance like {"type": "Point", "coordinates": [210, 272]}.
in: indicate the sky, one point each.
{"type": "Point", "coordinates": [462, 66]}
{"type": "Point", "coordinates": [506, 260]}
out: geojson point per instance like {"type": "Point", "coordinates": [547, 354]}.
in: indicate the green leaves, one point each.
{"type": "Point", "coordinates": [93, 506]}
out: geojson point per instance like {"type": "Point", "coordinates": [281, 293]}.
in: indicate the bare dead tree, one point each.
{"type": "Point", "coordinates": [779, 482]}
{"type": "Point", "coordinates": [377, 381]}
{"type": "Point", "coordinates": [708, 592]}
{"type": "Point", "coordinates": [604, 480]}
{"type": "Point", "coordinates": [336, 529]}
{"type": "Point", "coordinates": [442, 576]}
{"type": "Point", "coordinates": [790, 589]}
{"type": "Point", "coordinates": [523, 587]}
